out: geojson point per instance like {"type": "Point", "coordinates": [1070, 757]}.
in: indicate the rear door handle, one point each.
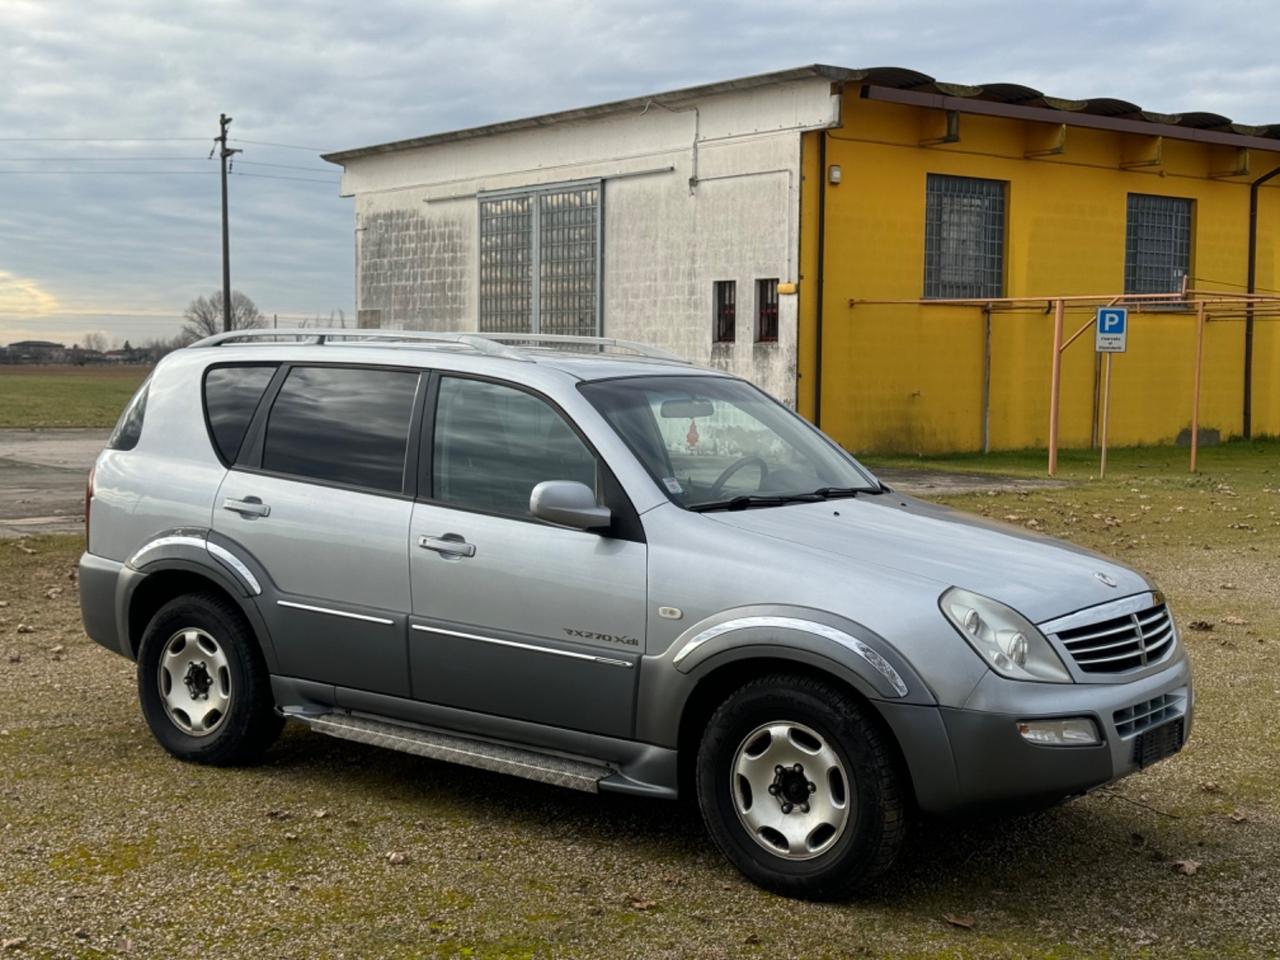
{"type": "Point", "coordinates": [450, 545]}
{"type": "Point", "coordinates": [248, 507]}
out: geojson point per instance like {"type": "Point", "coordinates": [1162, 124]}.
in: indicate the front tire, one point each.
{"type": "Point", "coordinates": [799, 788]}
{"type": "Point", "coordinates": [203, 684]}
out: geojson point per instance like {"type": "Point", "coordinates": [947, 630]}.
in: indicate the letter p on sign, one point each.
{"type": "Point", "coordinates": [1112, 329]}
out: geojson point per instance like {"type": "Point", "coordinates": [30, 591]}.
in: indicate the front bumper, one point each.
{"type": "Point", "coordinates": [991, 763]}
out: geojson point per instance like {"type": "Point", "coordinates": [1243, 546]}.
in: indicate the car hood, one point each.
{"type": "Point", "coordinates": [1038, 576]}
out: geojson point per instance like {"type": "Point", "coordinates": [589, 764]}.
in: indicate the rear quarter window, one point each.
{"type": "Point", "coordinates": [128, 429]}
{"type": "Point", "coordinates": [231, 395]}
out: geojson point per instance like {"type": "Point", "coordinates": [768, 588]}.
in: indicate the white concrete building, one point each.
{"type": "Point", "coordinates": [671, 219]}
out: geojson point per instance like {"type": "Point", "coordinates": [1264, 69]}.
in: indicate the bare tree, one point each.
{"type": "Point", "coordinates": [95, 340]}
{"type": "Point", "coordinates": [203, 315]}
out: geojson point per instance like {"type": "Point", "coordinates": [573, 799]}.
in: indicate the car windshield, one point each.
{"type": "Point", "coordinates": [720, 443]}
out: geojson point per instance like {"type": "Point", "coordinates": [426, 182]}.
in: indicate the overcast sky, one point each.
{"type": "Point", "coordinates": [94, 237]}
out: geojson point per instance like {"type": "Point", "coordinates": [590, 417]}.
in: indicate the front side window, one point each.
{"type": "Point", "coordinates": [231, 395]}
{"type": "Point", "coordinates": [540, 261]}
{"type": "Point", "coordinates": [342, 425]}
{"type": "Point", "coordinates": [494, 443]}
{"type": "Point", "coordinates": [1157, 244]}
{"type": "Point", "coordinates": [964, 223]}
{"type": "Point", "coordinates": [720, 442]}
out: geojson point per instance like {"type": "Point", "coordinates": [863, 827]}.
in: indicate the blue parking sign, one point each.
{"type": "Point", "coordinates": [1112, 329]}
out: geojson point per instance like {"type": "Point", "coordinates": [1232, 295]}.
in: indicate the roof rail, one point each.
{"type": "Point", "coordinates": [326, 334]}
{"type": "Point", "coordinates": [492, 344]}
{"type": "Point", "coordinates": [539, 339]}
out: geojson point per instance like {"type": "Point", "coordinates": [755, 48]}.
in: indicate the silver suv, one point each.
{"type": "Point", "coordinates": [584, 562]}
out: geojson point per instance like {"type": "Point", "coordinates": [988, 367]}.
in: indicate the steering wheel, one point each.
{"type": "Point", "coordinates": [731, 469]}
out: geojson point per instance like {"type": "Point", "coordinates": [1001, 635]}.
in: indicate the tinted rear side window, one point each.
{"type": "Point", "coordinates": [231, 394]}
{"type": "Point", "coordinates": [128, 430]}
{"type": "Point", "coordinates": [340, 425]}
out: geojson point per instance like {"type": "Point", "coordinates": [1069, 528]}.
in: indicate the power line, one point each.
{"type": "Point", "coordinates": [276, 176]}
{"type": "Point", "coordinates": [285, 146]}
{"type": "Point", "coordinates": [284, 166]}
{"type": "Point", "coordinates": [151, 159]}
{"type": "Point", "coordinates": [170, 156]}
{"type": "Point", "coordinates": [104, 139]}
{"type": "Point", "coordinates": [108, 173]}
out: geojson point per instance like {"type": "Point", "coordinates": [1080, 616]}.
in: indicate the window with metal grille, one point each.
{"type": "Point", "coordinates": [766, 310]}
{"type": "Point", "coordinates": [1157, 244]}
{"type": "Point", "coordinates": [726, 316]}
{"type": "Point", "coordinates": [963, 237]}
{"type": "Point", "coordinates": [540, 260]}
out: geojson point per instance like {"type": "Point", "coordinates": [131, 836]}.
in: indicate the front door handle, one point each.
{"type": "Point", "coordinates": [248, 507]}
{"type": "Point", "coordinates": [449, 545]}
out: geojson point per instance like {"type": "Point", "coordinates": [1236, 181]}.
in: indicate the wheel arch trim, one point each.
{"type": "Point", "coordinates": [889, 682]}
{"type": "Point", "coordinates": [180, 542]}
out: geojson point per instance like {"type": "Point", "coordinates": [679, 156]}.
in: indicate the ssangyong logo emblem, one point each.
{"type": "Point", "coordinates": [1103, 578]}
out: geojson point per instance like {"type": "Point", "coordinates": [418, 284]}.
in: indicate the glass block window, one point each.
{"type": "Point", "coordinates": [1157, 244]}
{"type": "Point", "coordinates": [506, 265]}
{"type": "Point", "coordinates": [540, 261]}
{"type": "Point", "coordinates": [725, 329]}
{"type": "Point", "coordinates": [767, 310]}
{"type": "Point", "coordinates": [964, 230]}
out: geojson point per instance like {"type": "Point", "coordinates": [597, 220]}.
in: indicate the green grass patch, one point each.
{"type": "Point", "coordinates": [40, 396]}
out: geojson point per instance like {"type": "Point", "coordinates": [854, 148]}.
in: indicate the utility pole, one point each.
{"type": "Point", "coordinates": [225, 154]}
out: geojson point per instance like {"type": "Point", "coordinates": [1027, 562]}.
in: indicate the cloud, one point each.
{"type": "Point", "coordinates": [22, 295]}
{"type": "Point", "coordinates": [117, 237]}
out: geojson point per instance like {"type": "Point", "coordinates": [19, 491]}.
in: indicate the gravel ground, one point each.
{"type": "Point", "coordinates": [108, 847]}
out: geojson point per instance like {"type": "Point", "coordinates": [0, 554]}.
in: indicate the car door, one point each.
{"type": "Point", "coordinates": [321, 498]}
{"type": "Point", "coordinates": [511, 615]}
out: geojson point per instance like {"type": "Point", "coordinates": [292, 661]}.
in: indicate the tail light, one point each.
{"type": "Point", "coordinates": [88, 504]}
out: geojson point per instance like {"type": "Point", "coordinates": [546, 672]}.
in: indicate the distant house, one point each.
{"type": "Point", "coordinates": [36, 351]}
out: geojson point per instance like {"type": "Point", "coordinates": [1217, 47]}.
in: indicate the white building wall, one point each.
{"type": "Point", "coordinates": [705, 191]}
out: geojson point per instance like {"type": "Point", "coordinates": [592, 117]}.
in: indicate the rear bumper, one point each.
{"type": "Point", "coordinates": [991, 763]}
{"type": "Point", "coordinates": [99, 586]}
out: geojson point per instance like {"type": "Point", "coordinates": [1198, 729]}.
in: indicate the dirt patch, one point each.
{"type": "Point", "coordinates": [938, 483]}
{"type": "Point", "coordinates": [42, 479]}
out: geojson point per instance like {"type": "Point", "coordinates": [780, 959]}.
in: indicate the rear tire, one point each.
{"type": "Point", "coordinates": [799, 787]}
{"type": "Point", "coordinates": [203, 684]}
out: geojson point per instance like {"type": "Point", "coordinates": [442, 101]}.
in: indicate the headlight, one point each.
{"type": "Point", "coordinates": [1005, 639]}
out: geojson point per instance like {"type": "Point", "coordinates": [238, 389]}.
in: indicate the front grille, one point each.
{"type": "Point", "coordinates": [1121, 643]}
{"type": "Point", "coordinates": [1150, 713]}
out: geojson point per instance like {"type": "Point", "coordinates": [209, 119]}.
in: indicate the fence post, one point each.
{"type": "Point", "coordinates": [1055, 384]}
{"type": "Point", "coordinates": [1195, 389]}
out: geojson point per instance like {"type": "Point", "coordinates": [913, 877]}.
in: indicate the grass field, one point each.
{"type": "Point", "coordinates": [111, 848]}
{"type": "Point", "coordinates": [65, 396]}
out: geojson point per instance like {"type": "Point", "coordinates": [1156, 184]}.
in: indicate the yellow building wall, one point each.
{"type": "Point", "coordinates": [909, 378]}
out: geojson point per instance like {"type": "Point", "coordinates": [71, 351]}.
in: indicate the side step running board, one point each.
{"type": "Point", "coordinates": [496, 757]}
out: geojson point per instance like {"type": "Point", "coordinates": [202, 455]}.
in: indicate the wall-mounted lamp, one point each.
{"type": "Point", "coordinates": [834, 173]}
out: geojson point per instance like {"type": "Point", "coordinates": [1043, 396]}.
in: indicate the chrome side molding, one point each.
{"type": "Point", "coordinates": [536, 648]}
{"type": "Point", "coordinates": [310, 608]}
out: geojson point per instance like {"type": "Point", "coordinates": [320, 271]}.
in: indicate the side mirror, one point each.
{"type": "Point", "coordinates": [569, 503]}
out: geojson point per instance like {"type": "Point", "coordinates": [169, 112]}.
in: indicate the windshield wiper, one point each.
{"type": "Point", "coordinates": [747, 501]}
{"type": "Point", "coordinates": [829, 493]}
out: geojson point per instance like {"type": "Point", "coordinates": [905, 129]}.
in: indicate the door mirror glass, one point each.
{"type": "Point", "coordinates": [569, 503]}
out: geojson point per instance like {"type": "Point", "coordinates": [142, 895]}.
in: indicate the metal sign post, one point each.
{"type": "Point", "coordinates": [1111, 337]}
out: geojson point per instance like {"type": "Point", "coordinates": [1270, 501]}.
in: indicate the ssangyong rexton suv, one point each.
{"type": "Point", "coordinates": [607, 572]}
